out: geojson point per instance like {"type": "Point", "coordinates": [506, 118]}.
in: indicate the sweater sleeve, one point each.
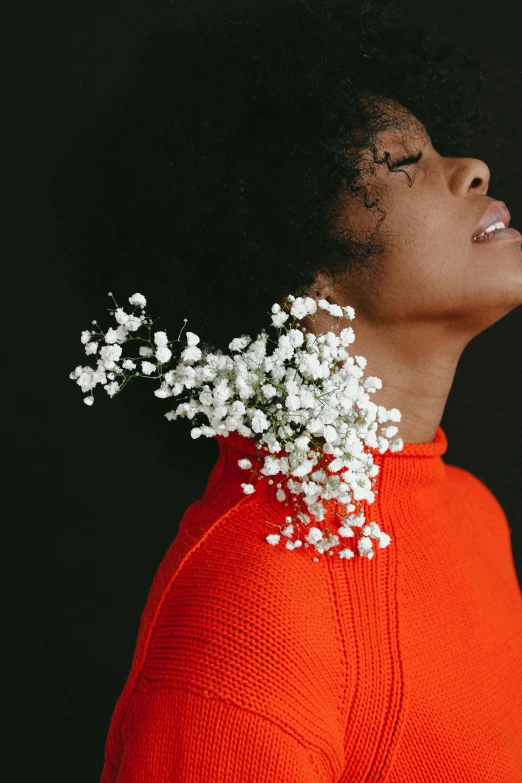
{"type": "Point", "coordinates": [176, 737]}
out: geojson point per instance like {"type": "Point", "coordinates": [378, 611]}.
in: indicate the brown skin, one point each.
{"type": "Point", "coordinates": [436, 288]}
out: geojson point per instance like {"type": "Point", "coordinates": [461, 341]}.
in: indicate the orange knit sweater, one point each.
{"type": "Point", "coordinates": [254, 664]}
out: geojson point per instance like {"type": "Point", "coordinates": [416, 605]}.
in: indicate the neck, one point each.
{"type": "Point", "coordinates": [416, 364]}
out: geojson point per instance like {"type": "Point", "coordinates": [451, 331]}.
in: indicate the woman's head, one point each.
{"type": "Point", "coordinates": [431, 267]}
{"type": "Point", "coordinates": [253, 156]}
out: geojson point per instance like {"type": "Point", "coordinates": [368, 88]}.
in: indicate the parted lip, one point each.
{"type": "Point", "coordinates": [496, 212]}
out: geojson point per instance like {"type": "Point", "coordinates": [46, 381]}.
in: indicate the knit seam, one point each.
{"type": "Point", "coordinates": [342, 638]}
{"type": "Point", "coordinates": [284, 727]}
{"type": "Point", "coordinates": [377, 514]}
{"type": "Point", "coordinates": [392, 745]}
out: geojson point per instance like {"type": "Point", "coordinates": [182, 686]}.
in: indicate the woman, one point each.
{"type": "Point", "coordinates": [321, 150]}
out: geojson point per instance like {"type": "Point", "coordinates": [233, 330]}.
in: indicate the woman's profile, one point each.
{"type": "Point", "coordinates": [323, 149]}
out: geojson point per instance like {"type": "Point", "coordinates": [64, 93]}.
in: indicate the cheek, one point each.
{"type": "Point", "coordinates": [425, 258]}
{"type": "Point", "coordinates": [419, 224]}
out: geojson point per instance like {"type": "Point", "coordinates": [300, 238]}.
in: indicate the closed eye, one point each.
{"type": "Point", "coordinates": [406, 161]}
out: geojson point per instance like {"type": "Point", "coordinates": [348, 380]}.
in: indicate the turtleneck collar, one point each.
{"type": "Point", "coordinates": [436, 448]}
{"type": "Point", "coordinates": [415, 465]}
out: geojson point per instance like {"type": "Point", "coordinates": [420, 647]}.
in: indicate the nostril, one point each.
{"type": "Point", "coordinates": [477, 182]}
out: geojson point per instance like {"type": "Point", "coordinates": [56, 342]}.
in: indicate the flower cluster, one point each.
{"type": "Point", "coordinates": [305, 404]}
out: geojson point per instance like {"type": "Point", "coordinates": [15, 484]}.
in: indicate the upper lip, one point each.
{"type": "Point", "coordinates": [496, 212]}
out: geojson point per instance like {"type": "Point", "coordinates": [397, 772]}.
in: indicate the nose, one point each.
{"type": "Point", "coordinates": [469, 176]}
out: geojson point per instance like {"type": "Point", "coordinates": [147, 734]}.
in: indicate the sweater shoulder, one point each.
{"type": "Point", "coordinates": [479, 497]}
{"type": "Point", "coordinates": [252, 624]}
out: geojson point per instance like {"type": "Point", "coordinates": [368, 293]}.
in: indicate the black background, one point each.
{"type": "Point", "coordinates": [95, 495]}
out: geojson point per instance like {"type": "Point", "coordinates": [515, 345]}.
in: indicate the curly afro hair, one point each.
{"type": "Point", "coordinates": [210, 184]}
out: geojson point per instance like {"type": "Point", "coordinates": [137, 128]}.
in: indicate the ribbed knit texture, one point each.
{"type": "Point", "coordinates": [254, 664]}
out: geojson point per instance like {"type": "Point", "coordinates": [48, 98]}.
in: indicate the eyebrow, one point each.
{"type": "Point", "coordinates": [411, 127]}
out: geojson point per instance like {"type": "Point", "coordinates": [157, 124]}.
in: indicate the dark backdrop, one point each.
{"type": "Point", "coordinates": [95, 496]}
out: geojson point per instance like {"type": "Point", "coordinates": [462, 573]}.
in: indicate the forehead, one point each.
{"type": "Point", "coordinates": [398, 125]}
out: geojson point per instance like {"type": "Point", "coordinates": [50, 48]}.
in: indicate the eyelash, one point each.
{"type": "Point", "coordinates": [407, 161]}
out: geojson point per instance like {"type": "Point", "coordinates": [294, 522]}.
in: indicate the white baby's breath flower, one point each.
{"type": "Point", "coordinates": [303, 468]}
{"type": "Point", "coordinates": [160, 338]}
{"type": "Point", "coordinates": [314, 535]}
{"type": "Point", "coordinates": [177, 388]}
{"type": "Point", "coordinates": [164, 391]}
{"type": "Point", "coordinates": [260, 422]}
{"type": "Point", "coordinates": [85, 380]}
{"type": "Point", "coordinates": [238, 343]}
{"type": "Point", "coordinates": [308, 388]}
{"type": "Point", "coordinates": [365, 547]}
{"type": "Point", "coordinates": [299, 309]}
{"type": "Point", "coordinates": [396, 444]}
{"type": "Point", "coordinates": [133, 323]}
{"type": "Point", "coordinates": [109, 355]}
{"type": "Point", "coordinates": [269, 391]}
{"type": "Point", "coordinates": [347, 336]}
{"type": "Point", "coordinates": [191, 354]}
{"type": "Point", "coordinates": [302, 442]}
{"type": "Point", "coordinates": [117, 335]}
{"type": "Point", "coordinates": [372, 383]}
{"type": "Point", "coordinates": [279, 318]}
{"type": "Point", "coordinates": [335, 465]}
{"type": "Point", "coordinates": [271, 466]}
{"type": "Point", "coordinates": [112, 388]}
{"type": "Point", "coordinates": [138, 300]}
{"type": "Point", "coordinates": [384, 540]}
{"type": "Point", "coordinates": [121, 316]}
{"type": "Point", "coordinates": [163, 354]}
{"type": "Point", "coordinates": [296, 338]}
{"type": "Point", "coordinates": [192, 339]}
{"type": "Point", "coordinates": [330, 434]}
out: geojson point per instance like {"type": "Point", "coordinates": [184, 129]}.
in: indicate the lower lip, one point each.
{"type": "Point", "coordinates": [501, 233]}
